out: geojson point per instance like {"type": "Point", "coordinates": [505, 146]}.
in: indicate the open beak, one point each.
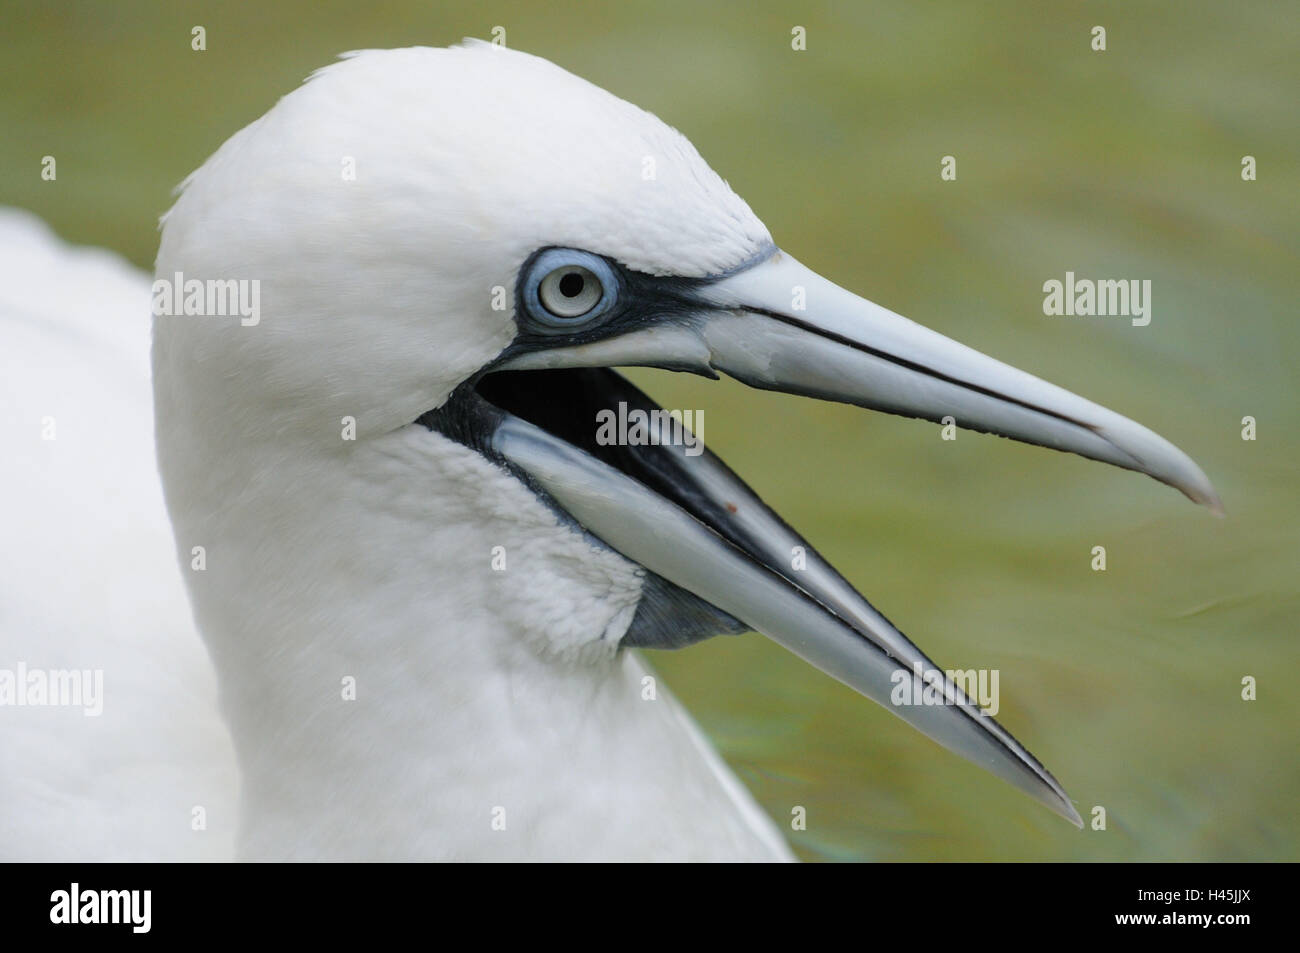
{"type": "Point", "coordinates": [777, 325]}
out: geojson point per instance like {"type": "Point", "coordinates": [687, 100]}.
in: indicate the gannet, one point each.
{"type": "Point", "coordinates": [419, 576]}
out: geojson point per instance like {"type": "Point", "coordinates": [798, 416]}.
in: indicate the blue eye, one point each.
{"type": "Point", "coordinates": [566, 288]}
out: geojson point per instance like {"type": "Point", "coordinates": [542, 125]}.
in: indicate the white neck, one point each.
{"type": "Point", "coordinates": [484, 699]}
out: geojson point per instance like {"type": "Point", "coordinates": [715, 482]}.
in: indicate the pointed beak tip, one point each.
{"type": "Point", "coordinates": [1202, 492]}
{"type": "Point", "coordinates": [1063, 806]}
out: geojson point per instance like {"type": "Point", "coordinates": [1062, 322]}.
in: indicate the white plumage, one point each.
{"type": "Point", "coordinates": [90, 579]}
{"type": "Point", "coordinates": [345, 471]}
{"type": "Point", "coordinates": [476, 690]}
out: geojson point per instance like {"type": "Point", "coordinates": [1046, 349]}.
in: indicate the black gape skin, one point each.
{"type": "Point", "coordinates": [564, 403]}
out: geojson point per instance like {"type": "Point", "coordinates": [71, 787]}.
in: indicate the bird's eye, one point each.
{"type": "Point", "coordinates": [565, 288]}
{"type": "Point", "coordinates": [569, 291]}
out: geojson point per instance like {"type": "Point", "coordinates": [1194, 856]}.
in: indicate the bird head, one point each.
{"type": "Point", "coordinates": [461, 243]}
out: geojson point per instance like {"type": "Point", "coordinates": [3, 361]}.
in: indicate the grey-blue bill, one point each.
{"type": "Point", "coordinates": [776, 325]}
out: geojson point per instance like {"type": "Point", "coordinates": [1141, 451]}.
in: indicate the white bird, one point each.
{"type": "Point", "coordinates": [417, 570]}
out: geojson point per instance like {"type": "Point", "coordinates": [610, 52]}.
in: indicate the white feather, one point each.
{"type": "Point", "coordinates": [89, 579]}
{"type": "Point", "coordinates": [493, 716]}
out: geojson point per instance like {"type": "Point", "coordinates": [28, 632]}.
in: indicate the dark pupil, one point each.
{"type": "Point", "coordinates": [571, 285]}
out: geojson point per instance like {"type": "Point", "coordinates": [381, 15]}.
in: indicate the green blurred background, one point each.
{"type": "Point", "coordinates": [1122, 164]}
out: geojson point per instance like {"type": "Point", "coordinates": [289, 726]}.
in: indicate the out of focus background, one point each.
{"type": "Point", "coordinates": [1125, 163]}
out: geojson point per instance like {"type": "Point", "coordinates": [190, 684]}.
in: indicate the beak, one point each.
{"type": "Point", "coordinates": [777, 325]}
{"type": "Point", "coordinates": [689, 519]}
